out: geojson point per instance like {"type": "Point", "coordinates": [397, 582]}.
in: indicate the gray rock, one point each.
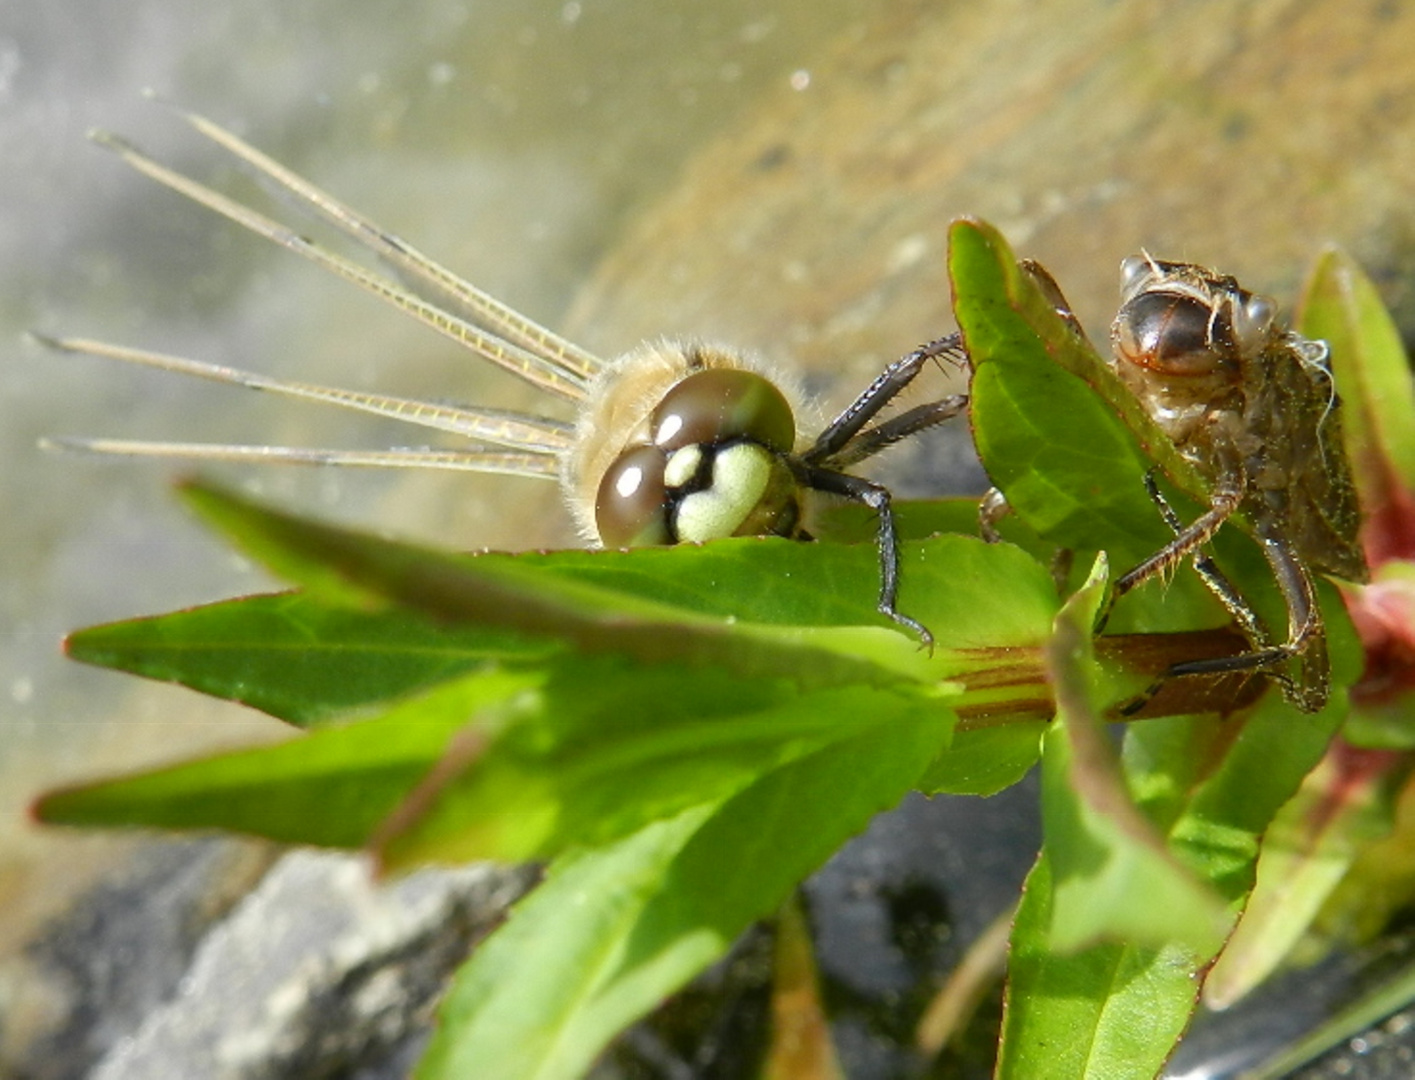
{"type": "Point", "coordinates": [117, 952]}
{"type": "Point", "coordinates": [319, 972]}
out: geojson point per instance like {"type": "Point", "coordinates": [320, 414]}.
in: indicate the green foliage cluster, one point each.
{"type": "Point", "coordinates": [684, 734]}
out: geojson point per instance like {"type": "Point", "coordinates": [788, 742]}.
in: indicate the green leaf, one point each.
{"type": "Point", "coordinates": [545, 762]}
{"type": "Point", "coordinates": [971, 594]}
{"type": "Point", "coordinates": [309, 659]}
{"type": "Point", "coordinates": [851, 523]}
{"type": "Point", "coordinates": [510, 765]}
{"type": "Point", "coordinates": [331, 788]}
{"type": "Point", "coordinates": [1343, 804]}
{"type": "Point", "coordinates": [1070, 446]}
{"type": "Point", "coordinates": [1372, 372]}
{"type": "Point", "coordinates": [296, 657]}
{"type": "Point", "coordinates": [612, 931]}
{"type": "Point", "coordinates": [1262, 766]}
{"type": "Point", "coordinates": [1113, 878]}
{"type": "Point", "coordinates": [731, 603]}
{"type": "Point", "coordinates": [1075, 1007]}
{"type": "Point", "coordinates": [758, 607]}
{"type": "Point", "coordinates": [1055, 429]}
{"type": "Point", "coordinates": [1115, 1010]}
{"type": "Point", "coordinates": [1112, 1012]}
{"type": "Point", "coordinates": [986, 760]}
{"type": "Point", "coordinates": [346, 567]}
{"type": "Point", "coordinates": [614, 749]}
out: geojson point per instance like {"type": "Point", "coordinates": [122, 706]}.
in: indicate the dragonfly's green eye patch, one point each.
{"type": "Point", "coordinates": [714, 468]}
{"type": "Point", "coordinates": [738, 496]}
{"type": "Point", "coordinates": [701, 491]}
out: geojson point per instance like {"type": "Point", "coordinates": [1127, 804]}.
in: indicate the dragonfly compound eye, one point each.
{"type": "Point", "coordinates": [1174, 334]}
{"type": "Point", "coordinates": [631, 507]}
{"type": "Point", "coordinates": [716, 466]}
{"type": "Point", "coordinates": [718, 405]}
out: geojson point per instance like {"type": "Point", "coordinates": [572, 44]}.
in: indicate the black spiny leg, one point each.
{"type": "Point", "coordinates": [910, 422]}
{"type": "Point", "coordinates": [834, 442]}
{"type": "Point", "coordinates": [845, 442]}
{"type": "Point", "coordinates": [876, 497]}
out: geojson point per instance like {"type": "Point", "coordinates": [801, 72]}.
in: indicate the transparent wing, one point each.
{"type": "Point", "coordinates": [482, 461]}
{"type": "Point", "coordinates": [546, 373]}
{"type": "Point", "coordinates": [482, 308]}
{"type": "Point", "coordinates": [517, 431]}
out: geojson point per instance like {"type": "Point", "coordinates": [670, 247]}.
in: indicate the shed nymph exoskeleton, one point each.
{"type": "Point", "coordinates": [1253, 406]}
{"type": "Point", "coordinates": [671, 442]}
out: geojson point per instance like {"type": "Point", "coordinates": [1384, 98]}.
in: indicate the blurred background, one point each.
{"type": "Point", "coordinates": [776, 175]}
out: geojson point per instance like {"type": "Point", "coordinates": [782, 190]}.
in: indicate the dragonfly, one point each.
{"type": "Point", "coordinates": [670, 442]}
{"type": "Point", "coordinates": [1253, 406]}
